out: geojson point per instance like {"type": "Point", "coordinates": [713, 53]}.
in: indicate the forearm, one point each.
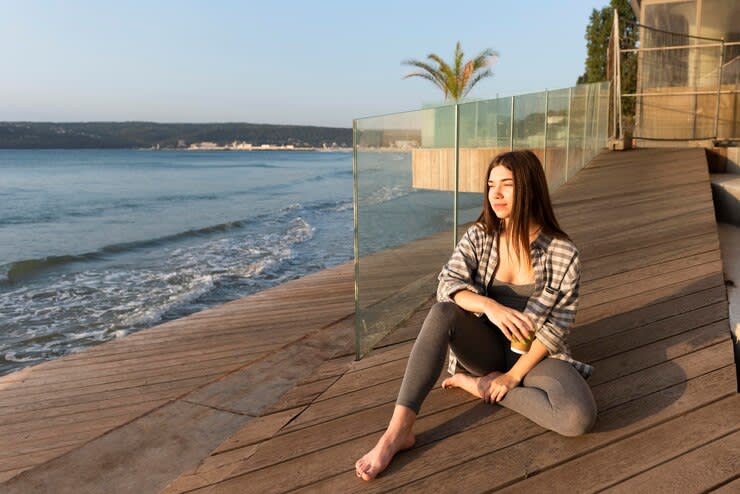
{"type": "Point", "coordinates": [472, 302]}
{"type": "Point", "coordinates": [526, 362]}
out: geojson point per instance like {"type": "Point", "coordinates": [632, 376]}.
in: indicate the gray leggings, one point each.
{"type": "Point", "coordinates": [553, 394]}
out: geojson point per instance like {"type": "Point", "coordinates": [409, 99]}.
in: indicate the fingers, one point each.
{"type": "Point", "coordinates": [512, 328]}
{"type": "Point", "coordinates": [522, 321]}
{"type": "Point", "coordinates": [515, 324]}
{"type": "Point", "coordinates": [501, 393]}
{"type": "Point", "coordinates": [506, 331]}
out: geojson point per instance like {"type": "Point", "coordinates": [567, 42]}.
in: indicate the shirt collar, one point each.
{"type": "Point", "coordinates": [541, 242]}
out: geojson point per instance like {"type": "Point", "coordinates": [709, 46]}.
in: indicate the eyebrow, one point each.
{"type": "Point", "coordinates": [502, 180]}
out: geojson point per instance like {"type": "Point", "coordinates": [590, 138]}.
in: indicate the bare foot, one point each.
{"type": "Point", "coordinates": [471, 384]}
{"type": "Point", "coordinates": [369, 466]}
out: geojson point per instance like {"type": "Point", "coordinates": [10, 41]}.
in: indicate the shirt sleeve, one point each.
{"type": "Point", "coordinates": [554, 331]}
{"type": "Point", "coordinates": [459, 272]}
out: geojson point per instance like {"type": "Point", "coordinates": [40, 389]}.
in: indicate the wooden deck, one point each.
{"type": "Point", "coordinates": [231, 400]}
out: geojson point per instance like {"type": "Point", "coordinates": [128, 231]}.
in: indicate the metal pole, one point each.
{"type": "Point", "coordinates": [595, 124]}
{"type": "Point", "coordinates": [457, 174]}
{"type": "Point", "coordinates": [567, 133]}
{"type": "Point", "coordinates": [615, 96]}
{"type": "Point", "coordinates": [355, 206]}
{"type": "Point", "coordinates": [585, 126]}
{"type": "Point", "coordinates": [511, 127]}
{"type": "Point", "coordinates": [719, 88]}
{"type": "Point", "coordinates": [544, 146]}
{"type": "Point", "coordinates": [618, 75]}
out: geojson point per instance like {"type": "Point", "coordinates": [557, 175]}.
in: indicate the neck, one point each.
{"type": "Point", "coordinates": [534, 229]}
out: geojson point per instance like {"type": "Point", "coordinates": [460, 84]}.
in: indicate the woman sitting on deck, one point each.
{"type": "Point", "coordinates": [516, 267]}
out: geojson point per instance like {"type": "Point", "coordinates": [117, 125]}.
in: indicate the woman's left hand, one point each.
{"type": "Point", "coordinates": [499, 386]}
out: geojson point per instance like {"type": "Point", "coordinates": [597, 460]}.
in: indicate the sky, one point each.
{"type": "Point", "coordinates": [323, 62]}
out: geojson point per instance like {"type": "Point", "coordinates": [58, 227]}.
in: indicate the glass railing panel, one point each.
{"type": "Point", "coordinates": [404, 184]}
{"type": "Point", "coordinates": [486, 124]}
{"type": "Point", "coordinates": [556, 151]}
{"type": "Point", "coordinates": [576, 130]}
{"type": "Point", "coordinates": [485, 132]}
{"type": "Point", "coordinates": [592, 121]}
{"type": "Point", "coordinates": [529, 123]}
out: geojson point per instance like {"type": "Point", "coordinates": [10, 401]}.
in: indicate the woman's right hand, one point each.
{"type": "Point", "coordinates": [511, 322]}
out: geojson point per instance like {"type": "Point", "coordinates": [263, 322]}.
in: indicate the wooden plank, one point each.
{"type": "Point", "coordinates": [665, 374]}
{"type": "Point", "coordinates": [696, 471]}
{"type": "Point", "coordinates": [673, 305]}
{"type": "Point", "coordinates": [632, 277]}
{"type": "Point", "coordinates": [251, 390]}
{"type": "Point", "coordinates": [639, 213]}
{"type": "Point", "coordinates": [599, 307]}
{"type": "Point", "coordinates": [731, 487]}
{"type": "Point", "coordinates": [623, 340]}
{"type": "Point", "coordinates": [21, 428]}
{"type": "Point", "coordinates": [622, 462]}
{"type": "Point", "coordinates": [88, 391]}
{"type": "Point", "coordinates": [658, 232]}
{"type": "Point", "coordinates": [128, 395]}
{"type": "Point", "coordinates": [123, 376]}
{"type": "Point", "coordinates": [171, 439]}
{"type": "Point", "coordinates": [659, 351]}
{"type": "Point", "coordinates": [301, 394]}
{"type": "Point", "coordinates": [647, 287]}
{"type": "Point", "coordinates": [643, 256]}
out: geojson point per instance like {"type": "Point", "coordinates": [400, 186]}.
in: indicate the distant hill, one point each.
{"type": "Point", "coordinates": [108, 135]}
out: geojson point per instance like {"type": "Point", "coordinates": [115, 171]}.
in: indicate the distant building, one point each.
{"type": "Point", "coordinates": [240, 145]}
{"type": "Point", "coordinates": [688, 75]}
{"type": "Point", "coordinates": [204, 145]}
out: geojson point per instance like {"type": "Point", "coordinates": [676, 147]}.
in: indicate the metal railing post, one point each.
{"type": "Point", "coordinates": [618, 77]}
{"type": "Point", "coordinates": [511, 127]}
{"type": "Point", "coordinates": [544, 146]}
{"type": "Point", "coordinates": [595, 126]}
{"type": "Point", "coordinates": [719, 87]}
{"type": "Point", "coordinates": [567, 134]}
{"type": "Point", "coordinates": [356, 233]}
{"type": "Point", "coordinates": [585, 128]}
{"type": "Point", "coordinates": [457, 174]}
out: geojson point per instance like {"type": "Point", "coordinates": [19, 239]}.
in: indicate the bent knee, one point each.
{"type": "Point", "coordinates": [445, 311]}
{"type": "Point", "coordinates": [577, 420]}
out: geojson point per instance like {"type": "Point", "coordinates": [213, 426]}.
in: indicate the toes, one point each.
{"type": "Point", "coordinates": [368, 474]}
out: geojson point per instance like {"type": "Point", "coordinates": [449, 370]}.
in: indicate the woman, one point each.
{"type": "Point", "coordinates": [514, 272]}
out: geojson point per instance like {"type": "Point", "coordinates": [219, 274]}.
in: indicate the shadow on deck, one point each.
{"type": "Point", "coordinates": [262, 395]}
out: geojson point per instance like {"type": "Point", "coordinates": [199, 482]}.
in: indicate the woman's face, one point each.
{"type": "Point", "coordinates": [501, 191]}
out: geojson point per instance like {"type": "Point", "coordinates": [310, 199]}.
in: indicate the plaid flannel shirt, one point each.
{"type": "Point", "coordinates": [552, 306]}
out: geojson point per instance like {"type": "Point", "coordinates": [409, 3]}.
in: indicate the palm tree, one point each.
{"type": "Point", "coordinates": [456, 80]}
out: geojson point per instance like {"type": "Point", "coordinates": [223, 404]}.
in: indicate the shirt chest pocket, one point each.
{"type": "Point", "coordinates": [553, 280]}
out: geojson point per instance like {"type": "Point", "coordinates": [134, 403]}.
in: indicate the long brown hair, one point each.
{"type": "Point", "coordinates": [531, 202]}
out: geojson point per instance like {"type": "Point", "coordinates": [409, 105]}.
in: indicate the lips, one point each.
{"type": "Point", "coordinates": [499, 206]}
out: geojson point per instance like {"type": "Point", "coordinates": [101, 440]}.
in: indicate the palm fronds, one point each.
{"type": "Point", "coordinates": [454, 80]}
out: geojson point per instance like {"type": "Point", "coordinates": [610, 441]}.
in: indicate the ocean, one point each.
{"type": "Point", "coordinates": [96, 244]}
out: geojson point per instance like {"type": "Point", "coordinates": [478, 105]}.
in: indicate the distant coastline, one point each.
{"type": "Point", "coordinates": [242, 146]}
{"type": "Point", "coordinates": [150, 135]}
